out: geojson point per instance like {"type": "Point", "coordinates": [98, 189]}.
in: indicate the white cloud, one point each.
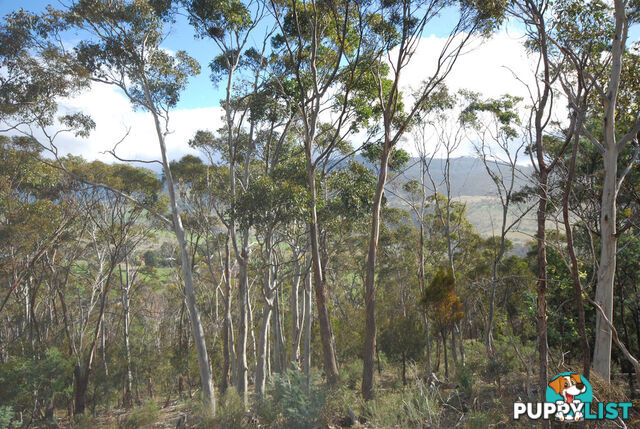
{"type": "Point", "coordinates": [488, 66]}
{"type": "Point", "coordinates": [493, 67]}
{"type": "Point", "coordinates": [114, 115]}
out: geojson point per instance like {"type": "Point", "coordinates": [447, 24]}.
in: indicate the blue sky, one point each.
{"type": "Point", "coordinates": [489, 68]}
{"type": "Point", "coordinates": [200, 92]}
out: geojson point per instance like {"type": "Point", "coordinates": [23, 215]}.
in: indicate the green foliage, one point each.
{"type": "Point", "coordinates": [351, 374]}
{"type": "Point", "coordinates": [403, 337]}
{"type": "Point", "coordinates": [398, 158]}
{"type": "Point", "coordinates": [296, 408]}
{"type": "Point", "coordinates": [151, 258]}
{"type": "Point", "coordinates": [230, 411]}
{"type": "Point", "coordinates": [142, 416]}
{"type": "Point", "coordinates": [411, 407]}
{"type": "Point", "coordinates": [440, 300]}
{"type": "Point", "coordinates": [25, 381]}
{"type": "Point", "coordinates": [354, 188]}
{"type": "Point", "coordinates": [6, 415]}
{"type": "Point", "coordinates": [85, 420]}
{"type": "Point", "coordinates": [465, 378]}
{"type": "Point", "coordinates": [503, 109]}
{"type": "Point", "coordinates": [479, 420]}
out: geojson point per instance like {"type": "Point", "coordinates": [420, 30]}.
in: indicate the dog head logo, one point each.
{"type": "Point", "coordinates": [571, 388]}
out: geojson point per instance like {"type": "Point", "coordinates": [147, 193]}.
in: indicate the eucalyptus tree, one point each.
{"type": "Point", "coordinates": [495, 122]}
{"type": "Point", "coordinates": [542, 96]}
{"type": "Point", "coordinates": [320, 44]}
{"type": "Point", "coordinates": [123, 49]}
{"type": "Point", "coordinates": [608, 68]}
{"type": "Point", "coordinates": [231, 26]}
{"type": "Point", "coordinates": [395, 30]}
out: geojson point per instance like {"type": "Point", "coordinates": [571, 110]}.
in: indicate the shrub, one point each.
{"type": "Point", "coordinates": [351, 374]}
{"type": "Point", "coordinates": [28, 381]}
{"type": "Point", "coordinates": [478, 420]}
{"type": "Point", "coordinates": [151, 258]}
{"type": "Point", "coordinates": [230, 411]}
{"type": "Point", "coordinates": [295, 407]}
{"type": "Point", "coordinates": [6, 414]}
{"type": "Point", "coordinates": [83, 421]}
{"type": "Point", "coordinates": [465, 378]}
{"type": "Point", "coordinates": [411, 407]}
{"type": "Point", "coordinates": [142, 416]}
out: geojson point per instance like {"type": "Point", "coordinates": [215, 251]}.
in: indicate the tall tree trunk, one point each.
{"type": "Point", "coordinates": [460, 337]}
{"type": "Point", "coordinates": [261, 364]}
{"type": "Point", "coordinates": [127, 347]}
{"type": "Point", "coordinates": [543, 348]}
{"type": "Point", "coordinates": [81, 378]}
{"type": "Point", "coordinates": [444, 348]}
{"type": "Point", "coordinates": [294, 305]}
{"type": "Point", "coordinates": [319, 283]}
{"type": "Point", "coordinates": [608, 237]}
{"type": "Point", "coordinates": [241, 344]}
{"type": "Point", "coordinates": [280, 353]}
{"type": "Point", "coordinates": [227, 337]}
{"type": "Point", "coordinates": [607, 267]}
{"type": "Point", "coordinates": [368, 388]}
{"type": "Point", "coordinates": [308, 318]}
{"type": "Point", "coordinates": [197, 329]}
{"type": "Point", "coordinates": [575, 273]}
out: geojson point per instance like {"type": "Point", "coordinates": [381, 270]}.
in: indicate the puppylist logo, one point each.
{"type": "Point", "coordinates": [569, 398]}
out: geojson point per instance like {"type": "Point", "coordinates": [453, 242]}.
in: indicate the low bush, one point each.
{"type": "Point", "coordinates": [142, 416]}
{"type": "Point", "coordinates": [351, 374]}
{"type": "Point", "coordinates": [229, 411]}
{"type": "Point", "coordinates": [288, 404]}
{"type": "Point", "coordinates": [6, 415]}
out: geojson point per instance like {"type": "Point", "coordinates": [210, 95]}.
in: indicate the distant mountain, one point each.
{"type": "Point", "coordinates": [468, 176]}
{"type": "Point", "coordinates": [472, 185]}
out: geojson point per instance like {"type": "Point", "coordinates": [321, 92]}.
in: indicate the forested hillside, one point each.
{"type": "Point", "coordinates": [342, 242]}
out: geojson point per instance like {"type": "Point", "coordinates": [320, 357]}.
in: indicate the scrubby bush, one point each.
{"type": "Point", "coordinates": [83, 421]}
{"type": "Point", "coordinates": [289, 404]}
{"type": "Point", "coordinates": [351, 374]}
{"type": "Point", "coordinates": [465, 378]}
{"type": "Point", "coordinates": [142, 416]}
{"type": "Point", "coordinates": [230, 411]}
{"type": "Point", "coordinates": [151, 258]}
{"type": "Point", "coordinates": [411, 407]}
{"type": "Point", "coordinates": [26, 381]}
{"type": "Point", "coordinates": [478, 420]}
{"type": "Point", "coordinates": [6, 415]}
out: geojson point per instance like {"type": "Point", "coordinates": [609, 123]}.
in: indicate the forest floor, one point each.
{"type": "Point", "coordinates": [477, 396]}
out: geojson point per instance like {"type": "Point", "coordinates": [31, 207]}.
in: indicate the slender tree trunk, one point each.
{"type": "Point", "coordinates": [543, 348]}
{"type": "Point", "coordinates": [127, 347]}
{"type": "Point", "coordinates": [294, 305]}
{"type": "Point", "coordinates": [460, 337]}
{"type": "Point", "coordinates": [103, 349]}
{"type": "Point", "coordinates": [261, 364]}
{"type": "Point", "coordinates": [241, 344]}
{"type": "Point", "coordinates": [444, 348]}
{"type": "Point", "coordinates": [368, 388]}
{"type": "Point", "coordinates": [280, 351]}
{"type": "Point", "coordinates": [227, 343]}
{"type": "Point", "coordinates": [306, 362]}
{"type": "Point", "coordinates": [575, 274]}
{"type": "Point", "coordinates": [322, 296]}
{"type": "Point", "coordinates": [206, 380]}
{"type": "Point", "coordinates": [608, 236]}
{"type": "Point", "coordinates": [607, 267]}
